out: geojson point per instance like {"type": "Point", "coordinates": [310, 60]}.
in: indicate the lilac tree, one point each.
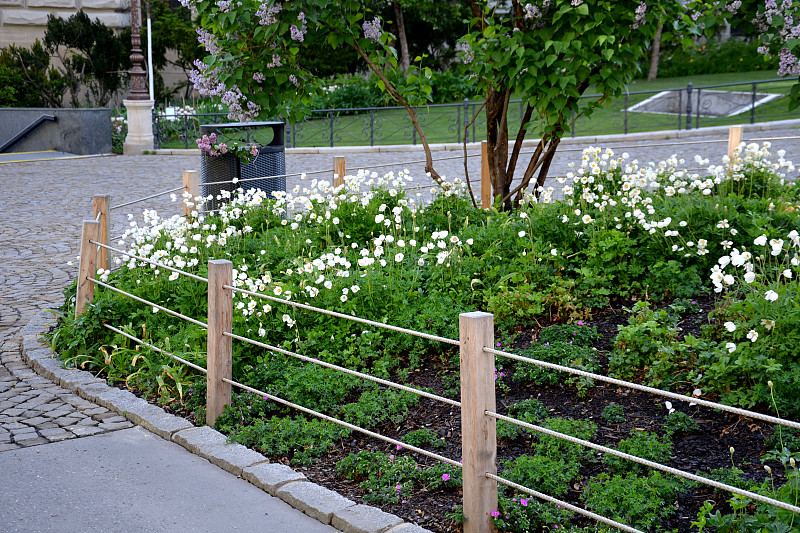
{"type": "Point", "coordinates": [547, 52]}
{"type": "Point", "coordinates": [779, 26]}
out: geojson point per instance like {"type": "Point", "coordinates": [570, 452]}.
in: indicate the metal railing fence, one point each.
{"type": "Point", "coordinates": [445, 123]}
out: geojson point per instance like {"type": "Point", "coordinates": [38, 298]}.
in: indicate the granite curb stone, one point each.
{"type": "Point", "coordinates": [363, 519]}
{"type": "Point", "coordinates": [276, 479]}
{"type": "Point", "coordinates": [271, 476]}
{"type": "Point", "coordinates": [315, 501]}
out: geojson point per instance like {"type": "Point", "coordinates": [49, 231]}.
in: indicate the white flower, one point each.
{"type": "Point", "coordinates": [587, 219]}
{"type": "Point", "coordinates": [398, 257]}
{"type": "Point", "coordinates": [749, 277]}
{"type": "Point", "coordinates": [768, 324]}
{"type": "Point", "coordinates": [343, 298]}
{"type": "Point", "coordinates": [379, 218]}
{"type": "Point", "coordinates": [277, 290]}
{"type": "Point", "coordinates": [668, 405]}
{"type": "Point", "coordinates": [731, 347]}
{"type": "Point", "coordinates": [421, 261]}
{"type": "Point", "coordinates": [771, 296]}
{"type": "Point", "coordinates": [761, 240]}
{"type": "Point", "coordinates": [787, 273]}
{"type": "Point", "coordinates": [730, 326]}
{"type": "Point", "coordinates": [521, 233]}
{"type": "Point", "coordinates": [554, 252]}
{"type": "Point", "coordinates": [752, 335]}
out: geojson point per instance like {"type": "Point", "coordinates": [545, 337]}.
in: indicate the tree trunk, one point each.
{"type": "Point", "coordinates": [405, 60]}
{"type": "Point", "coordinates": [655, 50]}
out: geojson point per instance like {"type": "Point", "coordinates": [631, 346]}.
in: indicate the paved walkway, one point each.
{"type": "Point", "coordinates": [41, 206]}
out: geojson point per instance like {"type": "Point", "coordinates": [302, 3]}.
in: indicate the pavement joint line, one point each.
{"type": "Point", "coordinates": [320, 503]}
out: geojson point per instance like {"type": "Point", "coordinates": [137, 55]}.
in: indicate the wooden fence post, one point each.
{"type": "Point", "coordinates": [191, 184]}
{"type": "Point", "coordinates": [486, 182]}
{"type": "Point", "coordinates": [339, 170]}
{"type": "Point", "coordinates": [220, 347]}
{"type": "Point", "coordinates": [478, 431]}
{"type": "Point", "coordinates": [734, 139]}
{"type": "Point", "coordinates": [87, 266]}
{"type": "Point", "coordinates": [101, 206]}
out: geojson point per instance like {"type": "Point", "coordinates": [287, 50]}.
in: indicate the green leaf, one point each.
{"type": "Point", "coordinates": [550, 59]}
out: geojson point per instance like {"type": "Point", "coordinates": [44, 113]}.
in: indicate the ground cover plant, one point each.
{"type": "Point", "coordinates": [647, 271]}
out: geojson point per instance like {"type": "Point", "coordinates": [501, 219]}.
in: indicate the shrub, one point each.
{"type": "Point", "coordinates": [531, 411]}
{"type": "Point", "coordinates": [561, 353]}
{"type": "Point", "coordinates": [613, 414]}
{"type": "Point", "coordinates": [638, 501]}
{"type": "Point", "coordinates": [642, 444]}
{"type": "Point", "coordinates": [557, 448]}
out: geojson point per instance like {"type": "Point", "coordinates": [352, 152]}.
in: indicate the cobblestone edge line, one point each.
{"type": "Point", "coordinates": [276, 479]}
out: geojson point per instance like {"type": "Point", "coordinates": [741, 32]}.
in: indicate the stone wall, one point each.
{"type": "Point", "coordinates": [23, 21]}
{"type": "Point", "coordinates": [81, 131]}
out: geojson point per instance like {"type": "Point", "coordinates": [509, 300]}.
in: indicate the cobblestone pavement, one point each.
{"type": "Point", "coordinates": [42, 204]}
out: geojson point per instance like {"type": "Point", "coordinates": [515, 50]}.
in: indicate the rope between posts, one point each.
{"type": "Point", "coordinates": [651, 464]}
{"type": "Point", "coordinates": [237, 180]}
{"type": "Point", "coordinates": [775, 138]}
{"type": "Point", "coordinates": [344, 370]}
{"type": "Point", "coordinates": [416, 162]}
{"type": "Point", "coordinates": [156, 195]}
{"type": "Point", "coordinates": [157, 349]}
{"type": "Point", "coordinates": [564, 504]}
{"type": "Point", "coordinates": [347, 317]}
{"type": "Point", "coordinates": [643, 388]}
{"type": "Point", "coordinates": [142, 300]}
{"type": "Point", "coordinates": [344, 424]}
{"type": "Point", "coordinates": [160, 265]}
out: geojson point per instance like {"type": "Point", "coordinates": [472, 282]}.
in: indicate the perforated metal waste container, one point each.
{"type": "Point", "coordinates": [271, 160]}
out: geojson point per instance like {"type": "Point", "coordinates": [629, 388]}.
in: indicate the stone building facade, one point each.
{"type": "Point", "coordinates": [23, 21]}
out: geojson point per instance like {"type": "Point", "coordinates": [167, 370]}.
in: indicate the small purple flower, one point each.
{"type": "Point", "coordinates": [372, 29]}
{"type": "Point", "coordinates": [495, 514]}
{"type": "Point", "coordinates": [445, 477]}
{"type": "Point", "coordinates": [523, 502]}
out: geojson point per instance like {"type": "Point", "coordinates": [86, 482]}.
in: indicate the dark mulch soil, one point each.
{"type": "Point", "coordinates": [705, 449]}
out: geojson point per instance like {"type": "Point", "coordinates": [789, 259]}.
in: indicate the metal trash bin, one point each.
{"type": "Point", "coordinates": [271, 160]}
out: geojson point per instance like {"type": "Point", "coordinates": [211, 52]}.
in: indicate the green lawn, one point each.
{"type": "Point", "coordinates": [445, 123]}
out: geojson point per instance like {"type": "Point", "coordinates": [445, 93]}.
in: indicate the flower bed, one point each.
{"type": "Point", "coordinates": [654, 238]}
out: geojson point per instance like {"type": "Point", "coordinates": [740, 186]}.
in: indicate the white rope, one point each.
{"type": "Point", "coordinates": [129, 295]}
{"type": "Point", "coordinates": [344, 370]}
{"type": "Point", "coordinates": [645, 462]}
{"type": "Point", "coordinates": [156, 195]}
{"type": "Point", "coordinates": [237, 180]}
{"type": "Point", "coordinates": [643, 388]}
{"type": "Point", "coordinates": [345, 424]}
{"type": "Point", "coordinates": [347, 317]}
{"type": "Point", "coordinates": [160, 265]}
{"type": "Point", "coordinates": [564, 504]}
{"type": "Point", "coordinates": [157, 349]}
{"type": "Point", "coordinates": [776, 138]}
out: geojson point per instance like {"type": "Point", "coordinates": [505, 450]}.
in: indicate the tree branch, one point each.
{"type": "Point", "coordinates": [411, 113]}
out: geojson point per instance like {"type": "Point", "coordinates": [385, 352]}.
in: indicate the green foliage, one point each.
{"type": "Point", "coordinates": [557, 448]}
{"type": "Point", "coordinates": [27, 79]}
{"type": "Point", "coordinates": [731, 55]}
{"type": "Point", "coordinates": [561, 353]}
{"type": "Point", "coordinates": [679, 422]}
{"type": "Point", "coordinates": [642, 444]}
{"type": "Point", "coordinates": [390, 479]}
{"type": "Point", "coordinates": [531, 411]}
{"type": "Point", "coordinates": [570, 333]}
{"type": "Point", "coordinates": [548, 475]}
{"type": "Point", "coordinates": [638, 501]}
{"type": "Point", "coordinates": [424, 438]}
{"type": "Point", "coordinates": [613, 413]}
{"type": "Point", "coordinates": [92, 55]}
{"type": "Point", "coordinates": [638, 343]}
{"type": "Point", "coordinates": [752, 516]}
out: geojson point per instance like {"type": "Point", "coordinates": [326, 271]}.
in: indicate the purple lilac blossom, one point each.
{"type": "Point", "coordinates": [267, 13]}
{"type": "Point", "coordinates": [206, 80]}
{"type": "Point", "coordinates": [639, 16]}
{"type": "Point", "coordinates": [372, 30]}
{"type": "Point", "coordinates": [208, 40]}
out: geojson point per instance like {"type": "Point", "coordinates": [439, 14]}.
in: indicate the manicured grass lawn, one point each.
{"type": "Point", "coordinates": [446, 123]}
